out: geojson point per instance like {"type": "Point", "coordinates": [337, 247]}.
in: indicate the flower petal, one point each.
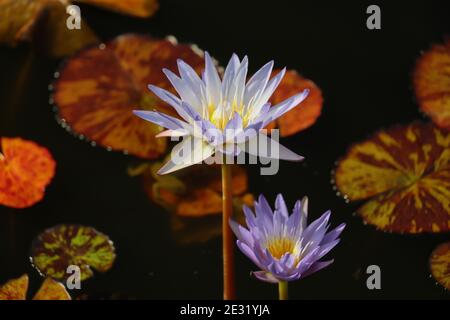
{"type": "Point", "coordinates": [277, 151]}
{"type": "Point", "coordinates": [265, 276]}
{"type": "Point", "coordinates": [161, 119]}
{"type": "Point", "coordinates": [333, 234]}
{"type": "Point", "coordinates": [285, 106]}
{"type": "Point", "coordinates": [170, 99]}
{"type": "Point", "coordinates": [317, 267]}
{"type": "Point", "coordinates": [212, 81]}
{"type": "Point", "coordinates": [193, 151]}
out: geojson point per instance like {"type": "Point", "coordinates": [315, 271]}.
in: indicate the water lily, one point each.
{"type": "Point", "coordinates": [220, 115]}
{"type": "Point", "coordinates": [284, 246]}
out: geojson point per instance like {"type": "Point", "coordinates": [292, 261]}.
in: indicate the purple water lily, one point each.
{"type": "Point", "coordinates": [283, 246]}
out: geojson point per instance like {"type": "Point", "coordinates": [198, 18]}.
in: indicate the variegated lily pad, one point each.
{"type": "Point", "coordinates": [432, 83]}
{"type": "Point", "coordinates": [16, 289]}
{"type": "Point", "coordinates": [196, 191]}
{"type": "Point", "coordinates": [440, 264]}
{"type": "Point", "coordinates": [98, 89]}
{"type": "Point", "coordinates": [59, 247]}
{"type": "Point", "coordinates": [404, 174]}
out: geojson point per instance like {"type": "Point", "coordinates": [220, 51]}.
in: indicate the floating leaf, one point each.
{"type": "Point", "coordinates": [302, 117]}
{"type": "Point", "coordinates": [432, 83]}
{"type": "Point", "coordinates": [196, 191]}
{"type": "Point", "coordinates": [405, 173]}
{"type": "Point", "coordinates": [44, 22]}
{"type": "Point", "coordinates": [137, 8]}
{"type": "Point", "coordinates": [16, 289]}
{"type": "Point", "coordinates": [59, 247]}
{"type": "Point", "coordinates": [100, 87]}
{"type": "Point", "coordinates": [440, 264]}
{"type": "Point", "coordinates": [25, 170]}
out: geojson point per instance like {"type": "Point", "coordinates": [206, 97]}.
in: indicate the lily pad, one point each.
{"type": "Point", "coordinates": [44, 22]}
{"type": "Point", "coordinates": [25, 170]}
{"type": "Point", "coordinates": [135, 8]}
{"type": "Point", "coordinates": [98, 89]}
{"type": "Point", "coordinates": [404, 173]}
{"type": "Point", "coordinates": [302, 117]}
{"type": "Point", "coordinates": [59, 247]}
{"type": "Point", "coordinates": [16, 289]}
{"type": "Point", "coordinates": [440, 264]}
{"type": "Point", "coordinates": [432, 83]}
{"type": "Point", "coordinates": [196, 191]}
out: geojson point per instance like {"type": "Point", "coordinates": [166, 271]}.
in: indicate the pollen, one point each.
{"type": "Point", "coordinates": [279, 246]}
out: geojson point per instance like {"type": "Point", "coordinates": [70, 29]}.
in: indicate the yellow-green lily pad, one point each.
{"type": "Point", "coordinates": [61, 246]}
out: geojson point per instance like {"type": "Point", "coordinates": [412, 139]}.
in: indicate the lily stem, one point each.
{"type": "Point", "coordinates": [227, 235]}
{"type": "Point", "coordinates": [283, 290]}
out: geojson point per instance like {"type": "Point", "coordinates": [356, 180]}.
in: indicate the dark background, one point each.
{"type": "Point", "coordinates": [365, 77]}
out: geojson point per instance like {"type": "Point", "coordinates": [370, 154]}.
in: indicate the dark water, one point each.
{"type": "Point", "coordinates": [365, 78]}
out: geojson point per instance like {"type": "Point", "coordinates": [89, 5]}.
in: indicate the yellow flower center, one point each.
{"type": "Point", "coordinates": [279, 246]}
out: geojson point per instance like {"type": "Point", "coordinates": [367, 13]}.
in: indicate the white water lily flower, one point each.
{"type": "Point", "coordinates": [220, 115]}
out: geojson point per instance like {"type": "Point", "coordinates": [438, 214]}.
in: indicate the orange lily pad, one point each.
{"type": "Point", "coordinates": [440, 264]}
{"type": "Point", "coordinates": [301, 117]}
{"type": "Point", "coordinates": [135, 8]}
{"type": "Point", "coordinates": [44, 22]}
{"type": "Point", "coordinates": [25, 170]}
{"type": "Point", "coordinates": [196, 191]}
{"type": "Point", "coordinates": [59, 247]}
{"type": "Point", "coordinates": [432, 83]}
{"type": "Point", "coordinates": [98, 89]}
{"type": "Point", "coordinates": [404, 173]}
{"type": "Point", "coordinates": [16, 289]}
{"type": "Point", "coordinates": [193, 197]}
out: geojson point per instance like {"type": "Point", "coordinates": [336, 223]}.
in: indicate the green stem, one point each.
{"type": "Point", "coordinates": [283, 290]}
{"type": "Point", "coordinates": [227, 235]}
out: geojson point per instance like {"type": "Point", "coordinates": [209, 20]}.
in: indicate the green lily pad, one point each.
{"type": "Point", "coordinates": [61, 246]}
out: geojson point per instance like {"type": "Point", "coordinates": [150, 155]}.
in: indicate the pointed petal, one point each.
{"type": "Point", "coordinates": [333, 234]}
{"type": "Point", "coordinates": [265, 276]}
{"type": "Point", "coordinates": [277, 151]}
{"type": "Point", "coordinates": [172, 133]}
{"type": "Point", "coordinates": [317, 267]}
{"type": "Point", "coordinates": [192, 151]}
{"type": "Point", "coordinates": [271, 87]}
{"type": "Point", "coordinates": [184, 90]}
{"type": "Point", "coordinates": [257, 83]}
{"type": "Point", "coordinates": [285, 106]}
{"type": "Point", "coordinates": [280, 205]}
{"type": "Point", "coordinates": [161, 119]}
{"type": "Point", "coordinates": [170, 99]}
{"type": "Point", "coordinates": [212, 81]}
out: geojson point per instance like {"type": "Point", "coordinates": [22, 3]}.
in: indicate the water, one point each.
{"type": "Point", "coordinates": [365, 79]}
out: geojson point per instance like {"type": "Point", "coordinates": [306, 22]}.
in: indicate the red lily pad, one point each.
{"type": "Point", "coordinates": [59, 247]}
{"type": "Point", "coordinates": [303, 116]}
{"type": "Point", "coordinates": [25, 170]}
{"type": "Point", "coordinates": [432, 83]}
{"type": "Point", "coordinates": [16, 289]}
{"type": "Point", "coordinates": [440, 264]}
{"type": "Point", "coordinates": [404, 174]}
{"type": "Point", "coordinates": [98, 89]}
